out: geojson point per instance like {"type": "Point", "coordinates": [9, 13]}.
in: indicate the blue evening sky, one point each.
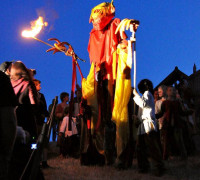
{"type": "Point", "coordinates": [168, 36]}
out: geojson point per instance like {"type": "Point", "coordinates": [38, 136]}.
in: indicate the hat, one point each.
{"type": "Point", "coordinates": [5, 65]}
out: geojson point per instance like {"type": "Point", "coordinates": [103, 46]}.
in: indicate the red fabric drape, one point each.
{"type": "Point", "coordinates": [71, 103]}
{"type": "Point", "coordinates": [103, 43]}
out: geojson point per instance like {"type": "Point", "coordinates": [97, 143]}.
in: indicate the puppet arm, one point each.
{"type": "Point", "coordinates": [88, 84]}
{"type": "Point", "coordinates": [125, 24]}
{"type": "Point", "coordinates": [122, 89]}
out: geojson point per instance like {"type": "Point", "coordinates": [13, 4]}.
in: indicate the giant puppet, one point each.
{"type": "Point", "coordinates": [107, 87]}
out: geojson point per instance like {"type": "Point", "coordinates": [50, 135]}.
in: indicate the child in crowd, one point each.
{"type": "Point", "coordinates": [70, 143]}
{"type": "Point", "coordinates": [147, 130]}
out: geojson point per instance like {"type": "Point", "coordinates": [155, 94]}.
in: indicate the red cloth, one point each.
{"type": "Point", "coordinates": [101, 22]}
{"type": "Point", "coordinates": [103, 43]}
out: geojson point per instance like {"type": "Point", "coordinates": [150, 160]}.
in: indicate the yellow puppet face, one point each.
{"type": "Point", "coordinates": [102, 10]}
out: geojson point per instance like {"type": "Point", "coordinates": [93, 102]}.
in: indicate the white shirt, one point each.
{"type": "Point", "coordinates": [157, 110]}
{"type": "Point", "coordinates": [146, 112]}
{"type": "Point", "coordinates": [64, 126]}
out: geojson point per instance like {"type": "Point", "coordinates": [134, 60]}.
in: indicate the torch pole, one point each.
{"type": "Point", "coordinates": [43, 42]}
{"type": "Point", "coordinates": [48, 44]}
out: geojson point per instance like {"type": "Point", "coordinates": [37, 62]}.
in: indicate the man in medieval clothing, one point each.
{"type": "Point", "coordinates": [108, 85]}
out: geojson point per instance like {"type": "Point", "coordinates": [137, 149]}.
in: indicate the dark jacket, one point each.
{"type": "Point", "coordinates": [7, 95]}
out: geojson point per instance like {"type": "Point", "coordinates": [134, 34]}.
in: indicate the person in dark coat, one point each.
{"type": "Point", "coordinates": [7, 123]}
{"type": "Point", "coordinates": [42, 113]}
{"type": "Point", "coordinates": [26, 110]}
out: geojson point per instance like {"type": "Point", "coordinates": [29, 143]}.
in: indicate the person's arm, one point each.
{"type": "Point", "coordinates": [141, 101]}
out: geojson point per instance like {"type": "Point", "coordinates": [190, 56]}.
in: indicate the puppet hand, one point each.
{"type": "Point", "coordinates": [124, 45]}
{"type": "Point", "coordinates": [60, 47]}
{"type": "Point", "coordinates": [125, 23]}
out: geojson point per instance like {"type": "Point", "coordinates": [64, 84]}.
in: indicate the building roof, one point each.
{"type": "Point", "coordinates": [194, 74]}
{"type": "Point", "coordinates": [173, 77]}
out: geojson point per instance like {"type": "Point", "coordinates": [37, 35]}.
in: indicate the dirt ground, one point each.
{"type": "Point", "coordinates": [69, 168]}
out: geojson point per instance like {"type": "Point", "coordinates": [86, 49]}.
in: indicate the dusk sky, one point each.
{"type": "Point", "coordinates": [168, 36]}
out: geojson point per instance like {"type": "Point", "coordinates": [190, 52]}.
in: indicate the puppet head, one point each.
{"type": "Point", "coordinates": [101, 15]}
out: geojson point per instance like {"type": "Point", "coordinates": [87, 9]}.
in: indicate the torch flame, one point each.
{"type": "Point", "coordinates": [36, 27]}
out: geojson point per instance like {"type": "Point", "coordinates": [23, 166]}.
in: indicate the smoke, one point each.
{"type": "Point", "coordinates": [49, 13]}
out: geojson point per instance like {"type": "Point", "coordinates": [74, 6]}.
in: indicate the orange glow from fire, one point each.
{"type": "Point", "coordinates": [36, 27]}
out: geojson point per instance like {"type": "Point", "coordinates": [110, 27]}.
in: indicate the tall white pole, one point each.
{"type": "Point", "coordinates": [133, 40]}
{"type": "Point", "coordinates": [134, 65]}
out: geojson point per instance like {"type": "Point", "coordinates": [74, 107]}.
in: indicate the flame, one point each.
{"type": "Point", "coordinates": [36, 27]}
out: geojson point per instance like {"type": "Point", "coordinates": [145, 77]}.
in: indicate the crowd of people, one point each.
{"type": "Point", "coordinates": [176, 122]}
{"type": "Point", "coordinates": [163, 123]}
{"type": "Point", "coordinates": [106, 123]}
{"type": "Point", "coordinates": [163, 120]}
{"type": "Point", "coordinates": [23, 111]}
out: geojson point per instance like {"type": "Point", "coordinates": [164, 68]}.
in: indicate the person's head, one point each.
{"type": "Point", "coordinates": [171, 93]}
{"type": "Point", "coordinates": [37, 84]}
{"type": "Point", "coordinates": [145, 85]}
{"type": "Point", "coordinates": [5, 67]}
{"type": "Point", "coordinates": [64, 97]}
{"type": "Point", "coordinates": [162, 91]}
{"type": "Point", "coordinates": [102, 14]}
{"type": "Point", "coordinates": [19, 70]}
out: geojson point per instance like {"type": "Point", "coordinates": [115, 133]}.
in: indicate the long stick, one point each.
{"type": "Point", "coordinates": [50, 120]}
{"type": "Point", "coordinates": [133, 39]}
{"type": "Point", "coordinates": [134, 64]}
{"type": "Point", "coordinates": [43, 42]}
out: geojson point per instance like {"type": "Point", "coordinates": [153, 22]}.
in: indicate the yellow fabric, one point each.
{"type": "Point", "coordinates": [122, 91]}
{"type": "Point", "coordinates": [89, 93]}
{"type": "Point", "coordinates": [114, 65]}
{"type": "Point", "coordinates": [88, 84]}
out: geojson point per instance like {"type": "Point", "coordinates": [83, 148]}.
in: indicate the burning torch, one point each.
{"type": "Point", "coordinates": [37, 26]}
